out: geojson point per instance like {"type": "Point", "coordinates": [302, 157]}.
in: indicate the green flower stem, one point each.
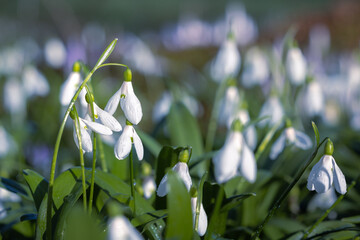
{"type": "Point", "coordinates": [199, 200]}
{"type": "Point", "coordinates": [267, 140]}
{"type": "Point", "coordinates": [92, 182]}
{"type": "Point", "coordinates": [82, 163]}
{"type": "Point", "coordinates": [214, 117]}
{"type": "Point", "coordinates": [56, 150]}
{"type": "Point", "coordinates": [112, 64]}
{"type": "Point", "coordinates": [279, 201]}
{"type": "Point", "coordinates": [353, 183]}
{"type": "Point", "coordinates": [132, 179]}
{"type": "Point", "coordinates": [102, 155]}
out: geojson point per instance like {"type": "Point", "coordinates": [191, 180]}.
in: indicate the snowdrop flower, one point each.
{"type": "Point", "coordinates": [35, 84]}
{"type": "Point", "coordinates": [313, 101]}
{"type": "Point", "coordinates": [322, 200]}
{"type": "Point", "coordinates": [85, 126]}
{"type": "Point", "coordinates": [121, 229]}
{"type": "Point", "coordinates": [296, 66]}
{"type": "Point", "coordinates": [14, 97]}
{"type": "Point", "coordinates": [235, 157]}
{"type": "Point", "coordinates": [203, 221]}
{"type": "Point", "coordinates": [124, 143]}
{"type": "Point", "coordinates": [250, 132]}
{"type": "Point", "coordinates": [162, 106]}
{"type": "Point", "coordinates": [256, 69]}
{"type": "Point", "coordinates": [229, 103]}
{"type": "Point", "coordinates": [182, 169]}
{"type": "Point", "coordinates": [102, 116]}
{"type": "Point", "coordinates": [7, 142]}
{"type": "Point", "coordinates": [7, 196]}
{"type": "Point", "coordinates": [326, 172]}
{"type": "Point", "coordinates": [290, 136]}
{"type": "Point", "coordinates": [129, 103]}
{"type": "Point", "coordinates": [273, 108]}
{"type": "Point", "coordinates": [55, 53]}
{"type": "Point", "coordinates": [149, 185]}
{"type": "Point", "coordinates": [227, 62]}
{"type": "Point", "coordinates": [71, 85]}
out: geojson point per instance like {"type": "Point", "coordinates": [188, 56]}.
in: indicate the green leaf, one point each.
{"type": "Point", "coordinates": [353, 219]}
{"type": "Point", "coordinates": [38, 186]}
{"type": "Point", "coordinates": [150, 143]}
{"type": "Point", "coordinates": [255, 121]}
{"type": "Point", "coordinates": [179, 225]}
{"type": "Point", "coordinates": [167, 158]}
{"type": "Point", "coordinates": [316, 131]}
{"type": "Point", "coordinates": [149, 217]}
{"type": "Point", "coordinates": [267, 140]}
{"type": "Point", "coordinates": [184, 129]}
{"type": "Point", "coordinates": [14, 187]}
{"type": "Point", "coordinates": [331, 227]}
{"type": "Point", "coordinates": [106, 53]}
{"type": "Point", "coordinates": [235, 201]}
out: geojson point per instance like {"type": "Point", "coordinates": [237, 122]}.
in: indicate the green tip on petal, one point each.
{"type": "Point", "coordinates": [89, 97]}
{"type": "Point", "coordinates": [128, 123]}
{"type": "Point", "coordinates": [76, 67]}
{"type": "Point", "coordinates": [329, 147]}
{"type": "Point", "coordinates": [288, 123]}
{"type": "Point", "coordinates": [237, 126]}
{"type": "Point", "coordinates": [193, 191]}
{"type": "Point", "coordinates": [184, 156]}
{"type": "Point", "coordinates": [127, 75]}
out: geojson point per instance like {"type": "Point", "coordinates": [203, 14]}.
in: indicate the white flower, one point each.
{"type": "Point", "coordinates": [14, 96]}
{"type": "Point", "coordinates": [290, 136]}
{"type": "Point", "coordinates": [7, 142]}
{"type": "Point", "coordinates": [250, 132]}
{"type": "Point", "coordinates": [69, 88]}
{"type": "Point", "coordinates": [324, 174]}
{"type": "Point", "coordinates": [162, 106]}
{"type": "Point", "coordinates": [125, 141]}
{"type": "Point", "coordinates": [149, 186]}
{"type": "Point", "coordinates": [256, 69]}
{"type": "Point", "coordinates": [121, 229]}
{"type": "Point", "coordinates": [322, 200]}
{"type": "Point", "coordinates": [55, 53]}
{"type": "Point", "coordinates": [129, 103]}
{"type": "Point", "coordinates": [233, 158]}
{"type": "Point", "coordinates": [182, 170]}
{"type": "Point", "coordinates": [227, 61]}
{"type": "Point", "coordinates": [273, 108]}
{"type": "Point", "coordinates": [313, 99]}
{"type": "Point", "coordinates": [203, 221]}
{"type": "Point", "coordinates": [296, 68]}
{"type": "Point", "coordinates": [86, 142]}
{"type": "Point", "coordinates": [8, 196]}
{"type": "Point", "coordinates": [106, 118]}
{"type": "Point", "coordinates": [229, 104]}
{"type": "Point", "coordinates": [35, 83]}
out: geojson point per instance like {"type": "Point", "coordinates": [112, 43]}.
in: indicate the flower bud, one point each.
{"type": "Point", "coordinates": [288, 123]}
{"type": "Point", "coordinates": [127, 75]}
{"type": "Point", "coordinates": [237, 126]}
{"type": "Point", "coordinates": [146, 169]}
{"type": "Point", "coordinates": [89, 97]}
{"type": "Point", "coordinates": [72, 114]}
{"type": "Point", "coordinates": [76, 67]}
{"type": "Point", "coordinates": [329, 148]}
{"type": "Point", "coordinates": [184, 156]}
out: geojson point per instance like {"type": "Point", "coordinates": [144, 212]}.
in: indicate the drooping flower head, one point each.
{"type": "Point", "coordinates": [313, 99]}
{"type": "Point", "coordinates": [182, 169]}
{"type": "Point", "coordinates": [229, 103]}
{"type": "Point", "coordinates": [235, 157]}
{"type": "Point", "coordinates": [129, 103]}
{"type": "Point", "coordinates": [120, 228]}
{"type": "Point", "coordinates": [273, 108]}
{"type": "Point", "coordinates": [124, 144]}
{"type": "Point", "coordinates": [203, 221]}
{"type": "Point", "coordinates": [326, 172]}
{"type": "Point", "coordinates": [290, 136]}
{"type": "Point", "coordinates": [296, 68]}
{"type": "Point", "coordinates": [256, 68]}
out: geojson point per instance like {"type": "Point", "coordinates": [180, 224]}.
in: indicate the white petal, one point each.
{"type": "Point", "coordinates": [203, 222]}
{"type": "Point", "coordinates": [322, 200]}
{"type": "Point", "coordinates": [339, 178]}
{"type": "Point", "coordinates": [278, 146]}
{"type": "Point", "coordinates": [251, 137]}
{"type": "Point", "coordinates": [302, 140]}
{"type": "Point", "coordinates": [97, 127]}
{"type": "Point", "coordinates": [130, 104]}
{"type": "Point", "coordinates": [149, 186]}
{"type": "Point", "coordinates": [321, 176]}
{"type": "Point", "coordinates": [69, 88]}
{"type": "Point", "coordinates": [123, 145]}
{"type": "Point", "coordinates": [162, 189]}
{"type": "Point", "coordinates": [113, 103]}
{"type": "Point", "coordinates": [226, 160]}
{"type": "Point", "coordinates": [229, 104]}
{"type": "Point", "coordinates": [296, 68]}
{"type": "Point", "coordinates": [86, 142]}
{"type": "Point", "coordinates": [182, 170]}
{"type": "Point", "coordinates": [138, 146]}
{"type": "Point", "coordinates": [247, 164]}
{"type": "Point", "coordinates": [108, 120]}
{"type": "Point", "coordinates": [121, 229]}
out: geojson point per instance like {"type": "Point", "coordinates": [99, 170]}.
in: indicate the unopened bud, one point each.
{"type": "Point", "coordinates": [76, 67]}
{"type": "Point", "coordinates": [184, 156]}
{"type": "Point", "coordinates": [127, 75]}
{"type": "Point", "coordinates": [329, 147]}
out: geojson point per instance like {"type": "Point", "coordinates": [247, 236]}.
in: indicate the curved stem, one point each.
{"type": "Point", "coordinates": [54, 159]}
{"type": "Point", "coordinates": [111, 64]}
{"type": "Point", "coordinates": [307, 233]}
{"type": "Point", "coordinates": [132, 178]}
{"type": "Point", "coordinates": [279, 201]}
{"type": "Point", "coordinates": [82, 163]}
